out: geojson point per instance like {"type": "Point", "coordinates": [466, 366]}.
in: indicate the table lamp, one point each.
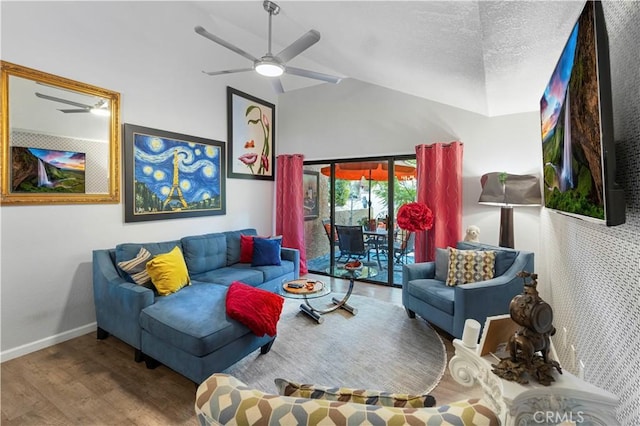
{"type": "Point", "coordinates": [507, 190]}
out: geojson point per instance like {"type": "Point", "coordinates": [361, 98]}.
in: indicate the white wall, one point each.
{"type": "Point", "coordinates": [149, 53]}
{"type": "Point", "coordinates": [357, 119]}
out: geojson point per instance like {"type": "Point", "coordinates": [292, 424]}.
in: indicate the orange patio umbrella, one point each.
{"type": "Point", "coordinates": [370, 170]}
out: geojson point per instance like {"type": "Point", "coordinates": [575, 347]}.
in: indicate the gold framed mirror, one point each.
{"type": "Point", "coordinates": [60, 140]}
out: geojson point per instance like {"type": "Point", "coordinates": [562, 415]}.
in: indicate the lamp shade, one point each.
{"type": "Point", "coordinates": [503, 189]}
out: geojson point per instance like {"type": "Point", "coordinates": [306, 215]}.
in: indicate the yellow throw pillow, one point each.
{"type": "Point", "coordinates": [168, 272]}
{"type": "Point", "coordinates": [470, 266]}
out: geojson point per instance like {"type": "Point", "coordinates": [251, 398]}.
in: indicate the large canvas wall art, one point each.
{"type": "Point", "coordinates": [170, 175]}
{"type": "Point", "coordinates": [36, 170]}
{"type": "Point", "coordinates": [251, 130]}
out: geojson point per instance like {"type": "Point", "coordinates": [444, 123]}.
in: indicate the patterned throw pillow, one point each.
{"type": "Point", "coordinates": [470, 266]}
{"type": "Point", "coordinates": [383, 399]}
{"type": "Point", "coordinates": [137, 267]}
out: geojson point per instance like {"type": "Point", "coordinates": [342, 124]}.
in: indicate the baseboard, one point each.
{"type": "Point", "coordinates": [46, 342]}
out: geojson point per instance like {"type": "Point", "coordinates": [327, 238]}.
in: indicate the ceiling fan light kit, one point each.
{"type": "Point", "coordinates": [102, 112]}
{"type": "Point", "coordinates": [101, 108]}
{"type": "Point", "coordinates": [271, 65]}
{"type": "Point", "coordinates": [268, 67]}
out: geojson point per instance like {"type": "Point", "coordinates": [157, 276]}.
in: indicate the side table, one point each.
{"type": "Point", "coordinates": [568, 399]}
{"type": "Point", "coordinates": [317, 313]}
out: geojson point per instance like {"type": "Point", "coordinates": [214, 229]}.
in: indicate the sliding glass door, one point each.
{"type": "Point", "coordinates": [360, 196]}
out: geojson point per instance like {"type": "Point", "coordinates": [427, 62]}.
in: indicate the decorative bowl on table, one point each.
{"type": "Point", "coordinates": [303, 286]}
{"type": "Point", "coordinates": [353, 266]}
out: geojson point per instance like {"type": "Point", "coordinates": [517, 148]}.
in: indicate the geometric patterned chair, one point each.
{"type": "Point", "coordinates": [223, 399]}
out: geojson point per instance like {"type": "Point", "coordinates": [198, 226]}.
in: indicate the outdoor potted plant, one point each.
{"type": "Point", "coordinates": [367, 224]}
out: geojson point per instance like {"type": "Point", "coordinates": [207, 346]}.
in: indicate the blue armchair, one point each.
{"type": "Point", "coordinates": [424, 289]}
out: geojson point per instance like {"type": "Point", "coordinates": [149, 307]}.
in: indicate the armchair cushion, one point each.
{"type": "Point", "coordinates": [470, 266]}
{"type": "Point", "coordinates": [442, 264]}
{"type": "Point", "coordinates": [504, 256]}
{"type": "Point", "coordinates": [434, 292]}
{"type": "Point", "coordinates": [361, 396]}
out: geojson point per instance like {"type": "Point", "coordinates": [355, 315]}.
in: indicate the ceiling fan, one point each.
{"type": "Point", "coordinates": [100, 108]}
{"type": "Point", "coordinates": [271, 65]}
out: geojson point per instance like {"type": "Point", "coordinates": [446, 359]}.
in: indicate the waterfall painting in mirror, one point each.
{"type": "Point", "coordinates": [170, 175]}
{"type": "Point", "coordinates": [60, 139]}
{"type": "Point", "coordinates": [46, 170]}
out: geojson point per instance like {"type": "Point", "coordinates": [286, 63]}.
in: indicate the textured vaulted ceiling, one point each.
{"type": "Point", "coordinates": [490, 57]}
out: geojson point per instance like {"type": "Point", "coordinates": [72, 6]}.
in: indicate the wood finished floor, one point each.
{"type": "Point", "coordinates": [85, 381]}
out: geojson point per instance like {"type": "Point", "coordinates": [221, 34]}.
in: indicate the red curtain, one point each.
{"type": "Point", "coordinates": [290, 204]}
{"type": "Point", "coordinates": [440, 188]}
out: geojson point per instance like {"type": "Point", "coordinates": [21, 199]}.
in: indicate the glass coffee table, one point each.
{"type": "Point", "coordinates": [307, 289]}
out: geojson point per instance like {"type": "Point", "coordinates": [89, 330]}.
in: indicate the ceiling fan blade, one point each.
{"type": "Point", "coordinates": [64, 101]}
{"type": "Point", "coordinates": [277, 85]}
{"type": "Point", "coordinates": [66, 111]}
{"type": "Point", "coordinates": [300, 45]}
{"type": "Point", "coordinates": [204, 33]}
{"type": "Point", "coordinates": [313, 74]}
{"type": "Point", "coordinates": [227, 71]}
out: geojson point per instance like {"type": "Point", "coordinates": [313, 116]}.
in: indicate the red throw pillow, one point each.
{"type": "Point", "coordinates": [258, 309]}
{"type": "Point", "coordinates": [246, 248]}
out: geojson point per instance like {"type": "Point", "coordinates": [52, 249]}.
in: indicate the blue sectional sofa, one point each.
{"type": "Point", "coordinates": [425, 292]}
{"type": "Point", "coordinates": [189, 330]}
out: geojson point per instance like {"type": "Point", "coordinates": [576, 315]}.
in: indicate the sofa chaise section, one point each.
{"type": "Point", "coordinates": [189, 330]}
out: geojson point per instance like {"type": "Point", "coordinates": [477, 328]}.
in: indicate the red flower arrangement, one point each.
{"type": "Point", "coordinates": [414, 217]}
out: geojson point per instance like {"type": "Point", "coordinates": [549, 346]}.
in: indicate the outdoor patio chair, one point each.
{"type": "Point", "coordinates": [351, 242]}
{"type": "Point", "coordinates": [404, 244]}
{"type": "Point", "coordinates": [333, 239]}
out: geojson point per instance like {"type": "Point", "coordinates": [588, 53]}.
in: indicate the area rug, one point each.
{"type": "Point", "coordinates": [380, 348]}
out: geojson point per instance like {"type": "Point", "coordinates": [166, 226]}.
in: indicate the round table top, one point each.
{"type": "Point", "coordinates": [311, 288]}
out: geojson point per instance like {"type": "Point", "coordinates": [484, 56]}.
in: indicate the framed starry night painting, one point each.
{"type": "Point", "coordinates": [170, 175]}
